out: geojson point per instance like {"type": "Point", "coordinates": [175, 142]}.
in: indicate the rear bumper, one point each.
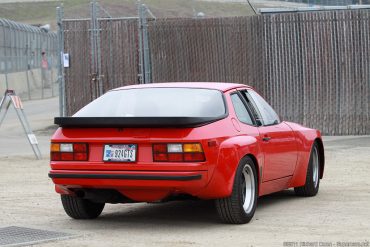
{"type": "Point", "coordinates": [58, 175]}
{"type": "Point", "coordinates": [137, 185]}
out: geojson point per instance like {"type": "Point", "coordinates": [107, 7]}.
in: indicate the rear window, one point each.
{"type": "Point", "coordinates": [157, 102]}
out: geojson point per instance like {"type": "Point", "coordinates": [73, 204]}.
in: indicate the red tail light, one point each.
{"type": "Point", "coordinates": [178, 152]}
{"type": "Point", "coordinates": [68, 152]}
{"type": "Point", "coordinates": [79, 147]}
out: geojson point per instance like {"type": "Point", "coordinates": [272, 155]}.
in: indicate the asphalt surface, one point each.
{"type": "Point", "coordinates": [40, 115]}
{"type": "Point", "coordinates": [339, 214]}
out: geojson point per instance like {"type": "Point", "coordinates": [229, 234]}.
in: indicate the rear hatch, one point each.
{"type": "Point", "coordinates": [151, 129]}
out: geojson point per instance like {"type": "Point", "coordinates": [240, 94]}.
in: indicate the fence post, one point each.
{"type": "Point", "coordinates": [28, 82]}
{"type": "Point", "coordinates": [6, 75]}
{"type": "Point", "coordinates": [140, 33]}
{"type": "Point", "coordinates": [5, 61]}
{"type": "Point", "coordinates": [144, 51]}
{"type": "Point", "coordinates": [42, 72]}
{"type": "Point", "coordinates": [62, 100]}
{"type": "Point", "coordinates": [147, 65]}
{"type": "Point", "coordinates": [52, 77]}
{"type": "Point", "coordinates": [6, 70]}
{"type": "Point", "coordinates": [98, 50]}
{"type": "Point", "coordinates": [93, 57]}
{"type": "Point", "coordinates": [95, 50]}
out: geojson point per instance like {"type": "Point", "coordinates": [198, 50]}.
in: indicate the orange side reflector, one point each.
{"type": "Point", "coordinates": [192, 148]}
{"type": "Point", "coordinates": [55, 147]}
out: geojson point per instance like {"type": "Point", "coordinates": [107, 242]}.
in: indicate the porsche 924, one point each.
{"type": "Point", "coordinates": [167, 141]}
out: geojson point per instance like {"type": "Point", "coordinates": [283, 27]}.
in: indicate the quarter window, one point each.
{"type": "Point", "coordinates": [240, 110]}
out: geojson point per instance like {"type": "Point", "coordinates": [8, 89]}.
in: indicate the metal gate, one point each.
{"type": "Point", "coordinates": [104, 53]}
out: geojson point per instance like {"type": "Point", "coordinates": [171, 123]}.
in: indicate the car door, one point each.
{"type": "Point", "coordinates": [248, 125]}
{"type": "Point", "coordinates": [277, 140]}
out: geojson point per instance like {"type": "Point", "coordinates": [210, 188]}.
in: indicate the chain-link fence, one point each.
{"type": "Point", "coordinates": [313, 67]}
{"type": "Point", "coordinates": [28, 59]}
{"type": "Point", "coordinates": [118, 61]}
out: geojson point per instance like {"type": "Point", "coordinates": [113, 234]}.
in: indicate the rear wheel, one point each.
{"type": "Point", "coordinates": [78, 208]}
{"type": "Point", "coordinates": [239, 208]}
{"type": "Point", "coordinates": [312, 184]}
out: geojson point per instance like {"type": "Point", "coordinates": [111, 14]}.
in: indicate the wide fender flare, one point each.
{"type": "Point", "coordinates": [231, 151]}
{"type": "Point", "coordinates": [306, 139]}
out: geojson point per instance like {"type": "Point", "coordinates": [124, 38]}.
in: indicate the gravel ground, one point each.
{"type": "Point", "coordinates": [339, 213]}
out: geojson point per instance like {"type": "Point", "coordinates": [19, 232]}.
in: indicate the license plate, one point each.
{"type": "Point", "coordinates": [120, 152]}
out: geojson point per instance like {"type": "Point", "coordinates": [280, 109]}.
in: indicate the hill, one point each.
{"type": "Point", "coordinates": [42, 12]}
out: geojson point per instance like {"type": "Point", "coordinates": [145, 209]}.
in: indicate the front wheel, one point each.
{"type": "Point", "coordinates": [239, 208]}
{"type": "Point", "coordinates": [78, 208]}
{"type": "Point", "coordinates": [312, 183]}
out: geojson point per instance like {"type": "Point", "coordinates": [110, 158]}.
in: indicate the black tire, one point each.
{"type": "Point", "coordinates": [230, 209]}
{"type": "Point", "coordinates": [78, 208]}
{"type": "Point", "coordinates": [312, 183]}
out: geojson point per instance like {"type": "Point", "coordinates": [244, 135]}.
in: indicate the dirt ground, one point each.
{"type": "Point", "coordinates": [337, 216]}
{"type": "Point", "coordinates": [339, 213]}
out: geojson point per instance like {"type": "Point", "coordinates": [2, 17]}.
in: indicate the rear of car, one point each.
{"type": "Point", "coordinates": [159, 142]}
{"type": "Point", "coordinates": [139, 144]}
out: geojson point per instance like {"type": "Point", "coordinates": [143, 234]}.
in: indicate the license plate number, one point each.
{"type": "Point", "coordinates": [120, 152]}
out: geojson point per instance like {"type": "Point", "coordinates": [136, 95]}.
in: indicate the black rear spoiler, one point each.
{"type": "Point", "coordinates": [134, 122]}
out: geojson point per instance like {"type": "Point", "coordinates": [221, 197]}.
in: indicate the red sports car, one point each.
{"type": "Point", "coordinates": [167, 141]}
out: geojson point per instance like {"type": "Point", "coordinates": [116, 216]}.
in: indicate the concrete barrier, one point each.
{"type": "Point", "coordinates": [28, 84]}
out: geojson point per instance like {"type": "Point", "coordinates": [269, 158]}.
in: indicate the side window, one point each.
{"type": "Point", "coordinates": [251, 107]}
{"type": "Point", "coordinates": [240, 110]}
{"type": "Point", "coordinates": [268, 114]}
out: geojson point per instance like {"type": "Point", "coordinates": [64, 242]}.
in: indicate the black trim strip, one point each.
{"type": "Point", "coordinates": [276, 179]}
{"type": "Point", "coordinates": [125, 176]}
{"type": "Point", "coordinates": [135, 122]}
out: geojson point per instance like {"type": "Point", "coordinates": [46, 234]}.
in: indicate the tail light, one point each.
{"type": "Point", "coordinates": [68, 152]}
{"type": "Point", "coordinates": [178, 152]}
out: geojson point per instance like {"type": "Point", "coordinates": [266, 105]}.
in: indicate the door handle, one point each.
{"type": "Point", "coordinates": [266, 138]}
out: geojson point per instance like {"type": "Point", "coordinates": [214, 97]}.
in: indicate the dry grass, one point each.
{"type": "Point", "coordinates": [45, 12]}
